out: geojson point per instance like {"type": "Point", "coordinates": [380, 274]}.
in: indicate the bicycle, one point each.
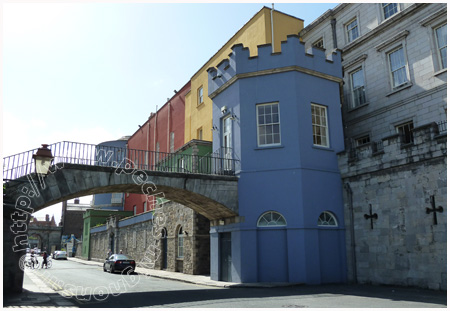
{"type": "Point", "coordinates": [31, 263]}
{"type": "Point", "coordinates": [49, 263]}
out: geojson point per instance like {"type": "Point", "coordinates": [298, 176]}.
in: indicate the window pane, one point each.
{"type": "Point", "coordinates": [270, 219]}
{"type": "Point", "coordinates": [441, 37]}
{"type": "Point", "coordinates": [268, 124]}
{"type": "Point", "coordinates": [320, 128]}
{"type": "Point", "coordinates": [389, 9]}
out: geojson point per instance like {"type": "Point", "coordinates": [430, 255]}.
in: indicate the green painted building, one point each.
{"type": "Point", "coordinates": [93, 218]}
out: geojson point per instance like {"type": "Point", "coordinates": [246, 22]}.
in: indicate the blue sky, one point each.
{"type": "Point", "coordinates": [92, 72]}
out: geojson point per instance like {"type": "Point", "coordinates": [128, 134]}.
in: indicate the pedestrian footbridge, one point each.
{"type": "Point", "coordinates": [206, 184]}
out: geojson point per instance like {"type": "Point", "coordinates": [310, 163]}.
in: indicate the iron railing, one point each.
{"type": "Point", "coordinates": [22, 164]}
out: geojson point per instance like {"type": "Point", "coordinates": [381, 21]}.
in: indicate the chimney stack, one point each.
{"type": "Point", "coordinates": [47, 217]}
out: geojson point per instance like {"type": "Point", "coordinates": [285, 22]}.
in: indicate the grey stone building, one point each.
{"type": "Point", "coordinates": [44, 234]}
{"type": "Point", "coordinates": [394, 104]}
{"type": "Point", "coordinates": [174, 238]}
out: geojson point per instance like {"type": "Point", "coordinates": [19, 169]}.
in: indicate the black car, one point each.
{"type": "Point", "coordinates": [119, 262]}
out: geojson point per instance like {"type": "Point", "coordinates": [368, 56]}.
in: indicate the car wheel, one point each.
{"type": "Point", "coordinates": [111, 270]}
{"type": "Point", "coordinates": [104, 268]}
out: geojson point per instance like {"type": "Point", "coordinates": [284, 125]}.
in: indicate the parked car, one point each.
{"type": "Point", "coordinates": [119, 262]}
{"type": "Point", "coordinates": [60, 255]}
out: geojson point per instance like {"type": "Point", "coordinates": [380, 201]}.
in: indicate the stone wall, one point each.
{"type": "Point", "coordinates": [405, 246]}
{"type": "Point", "coordinates": [135, 236]}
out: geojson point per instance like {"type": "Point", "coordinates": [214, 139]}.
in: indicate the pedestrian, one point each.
{"type": "Point", "coordinates": [109, 253]}
{"type": "Point", "coordinates": [120, 252]}
{"type": "Point", "coordinates": [44, 257]}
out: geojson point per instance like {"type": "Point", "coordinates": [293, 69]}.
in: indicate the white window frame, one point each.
{"type": "Point", "coordinates": [347, 30]}
{"type": "Point", "coordinates": [330, 216]}
{"type": "Point", "coordinates": [314, 44]}
{"type": "Point", "coordinates": [157, 153]}
{"type": "Point", "coordinates": [359, 139]}
{"type": "Point", "coordinates": [438, 49]}
{"type": "Point", "coordinates": [266, 125]}
{"type": "Point", "coordinates": [180, 243]}
{"type": "Point", "coordinates": [383, 16]}
{"type": "Point", "coordinates": [352, 97]}
{"type": "Point", "coordinates": [273, 219]}
{"type": "Point", "coordinates": [327, 133]}
{"type": "Point", "coordinates": [406, 140]}
{"type": "Point", "coordinates": [172, 142]}
{"type": "Point", "coordinates": [200, 95]}
{"type": "Point", "coordinates": [391, 78]}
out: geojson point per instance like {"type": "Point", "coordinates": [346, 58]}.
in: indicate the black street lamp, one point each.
{"type": "Point", "coordinates": [43, 159]}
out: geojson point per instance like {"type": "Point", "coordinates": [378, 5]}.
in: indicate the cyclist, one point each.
{"type": "Point", "coordinates": [45, 260]}
{"type": "Point", "coordinates": [34, 260]}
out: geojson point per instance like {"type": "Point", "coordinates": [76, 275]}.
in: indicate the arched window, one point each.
{"type": "Point", "coordinates": [180, 248]}
{"type": "Point", "coordinates": [326, 219]}
{"type": "Point", "coordinates": [271, 219]}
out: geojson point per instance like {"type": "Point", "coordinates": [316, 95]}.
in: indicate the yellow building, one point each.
{"type": "Point", "coordinates": [257, 31]}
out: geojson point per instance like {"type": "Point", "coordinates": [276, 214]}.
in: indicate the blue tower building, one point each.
{"type": "Point", "coordinates": [280, 114]}
{"type": "Point", "coordinates": [110, 152]}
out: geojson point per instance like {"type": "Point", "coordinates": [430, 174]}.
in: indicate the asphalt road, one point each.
{"type": "Point", "coordinates": [89, 286]}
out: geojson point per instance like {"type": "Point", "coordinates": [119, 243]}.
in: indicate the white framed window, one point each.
{"type": "Point", "coordinates": [397, 67]}
{"type": "Point", "coordinates": [363, 140]}
{"type": "Point", "coordinates": [318, 43]}
{"type": "Point", "coordinates": [440, 34]}
{"type": "Point", "coordinates": [357, 88]}
{"type": "Point", "coordinates": [268, 124]}
{"type": "Point", "coordinates": [319, 125]}
{"type": "Point", "coordinates": [134, 209]}
{"type": "Point", "coordinates": [157, 153]}
{"type": "Point", "coordinates": [389, 9]}
{"type": "Point", "coordinates": [172, 142]}
{"type": "Point", "coordinates": [352, 30]}
{"type": "Point", "coordinates": [271, 219]}
{"type": "Point", "coordinates": [405, 131]}
{"type": "Point", "coordinates": [200, 133]}
{"type": "Point", "coordinates": [327, 219]}
{"type": "Point", "coordinates": [145, 206]}
{"type": "Point", "coordinates": [116, 197]}
{"type": "Point", "coordinates": [200, 95]}
{"type": "Point", "coordinates": [180, 245]}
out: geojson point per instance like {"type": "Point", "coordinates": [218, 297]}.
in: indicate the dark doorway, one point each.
{"type": "Point", "coordinates": [111, 242]}
{"type": "Point", "coordinates": [164, 248]}
{"type": "Point", "coordinates": [225, 256]}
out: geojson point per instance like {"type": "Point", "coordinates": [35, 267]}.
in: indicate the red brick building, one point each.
{"type": "Point", "coordinates": [162, 132]}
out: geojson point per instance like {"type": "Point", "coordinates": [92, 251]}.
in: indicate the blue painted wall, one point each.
{"type": "Point", "coordinates": [117, 149]}
{"type": "Point", "coordinates": [295, 178]}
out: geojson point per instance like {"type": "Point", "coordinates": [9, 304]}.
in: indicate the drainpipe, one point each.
{"type": "Point", "coordinates": [271, 25]}
{"type": "Point", "coordinates": [168, 128]}
{"type": "Point", "coordinates": [154, 136]}
{"type": "Point", "coordinates": [333, 31]}
{"type": "Point", "coordinates": [352, 231]}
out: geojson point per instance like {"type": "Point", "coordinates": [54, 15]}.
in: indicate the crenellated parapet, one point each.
{"type": "Point", "coordinates": [428, 143]}
{"type": "Point", "coordinates": [293, 57]}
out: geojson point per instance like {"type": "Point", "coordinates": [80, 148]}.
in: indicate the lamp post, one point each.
{"type": "Point", "coordinates": [42, 160]}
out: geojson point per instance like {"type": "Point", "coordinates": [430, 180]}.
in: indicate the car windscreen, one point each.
{"type": "Point", "coordinates": [122, 257]}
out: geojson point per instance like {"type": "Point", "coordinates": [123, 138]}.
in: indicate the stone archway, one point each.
{"type": "Point", "coordinates": [215, 197]}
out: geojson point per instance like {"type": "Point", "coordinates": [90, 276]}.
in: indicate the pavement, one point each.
{"type": "Point", "coordinates": [36, 293]}
{"type": "Point", "coordinates": [188, 278]}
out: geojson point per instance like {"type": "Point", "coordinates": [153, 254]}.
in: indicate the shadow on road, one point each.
{"type": "Point", "coordinates": [161, 298]}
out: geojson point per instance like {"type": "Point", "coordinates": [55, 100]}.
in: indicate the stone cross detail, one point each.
{"type": "Point", "coordinates": [433, 210]}
{"type": "Point", "coordinates": [371, 216]}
